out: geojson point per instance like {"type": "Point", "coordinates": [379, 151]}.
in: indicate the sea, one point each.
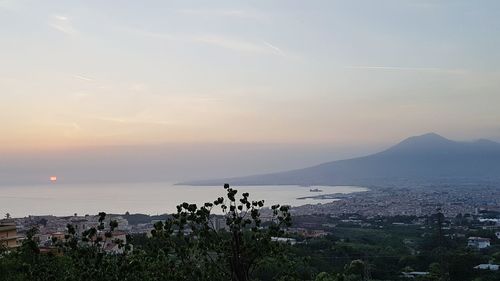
{"type": "Point", "coordinates": [64, 199]}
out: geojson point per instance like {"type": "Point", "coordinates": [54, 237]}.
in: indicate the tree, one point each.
{"type": "Point", "coordinates": [496, 257]}
{"type": "Point", "coordinates": [228, 254]}
{"type": "Point", "coordinates": [461, 264]}
{"type": "Point", "coordinates": [357, 270]}
{"type": "Point", "coordinates": [324, 276]}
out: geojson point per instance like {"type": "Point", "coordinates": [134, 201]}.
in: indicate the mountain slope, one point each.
{"type": "Point", "coordinates": [420, 158]}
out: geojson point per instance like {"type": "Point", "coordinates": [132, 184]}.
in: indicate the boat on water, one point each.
{"type": "Point", "coordinates": [315, 190]}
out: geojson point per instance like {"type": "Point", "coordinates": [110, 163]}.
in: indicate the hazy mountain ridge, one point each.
{"type": "Point", "coordinates": [419, 158]}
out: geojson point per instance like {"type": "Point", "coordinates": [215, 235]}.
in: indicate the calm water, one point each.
{"type": "Point", "coordinates": [149, 198]}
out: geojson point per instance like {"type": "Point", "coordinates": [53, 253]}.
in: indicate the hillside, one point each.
{"type": "Point", "coordinates": [422, 158]}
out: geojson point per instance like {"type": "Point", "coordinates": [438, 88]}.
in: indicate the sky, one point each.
{"type": "Point", "coordinates": [323, 78]}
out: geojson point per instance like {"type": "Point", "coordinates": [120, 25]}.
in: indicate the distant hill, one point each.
{"type": "Point", "coordinates": [427, 157]}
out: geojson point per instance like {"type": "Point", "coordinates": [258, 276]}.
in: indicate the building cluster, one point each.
{"type": "Point", "coordinates": [53, 230]}
{"type": "Point", "coordinates": [8, 234]}
{"type": "Point", "coordinates": [308, 232]}
{"type": "Point", "coordinates": [416, 201]}
{"type": "Point", "coordinates": [478, 242]}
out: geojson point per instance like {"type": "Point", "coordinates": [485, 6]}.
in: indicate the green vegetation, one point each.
{"type": "Point", "coordinates": [192, 245]}
{"type": "Point", "coordinates": [186, 246]}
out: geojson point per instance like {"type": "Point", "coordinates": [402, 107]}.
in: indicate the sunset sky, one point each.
{"type": "Point", "coordinates": [92, 73]}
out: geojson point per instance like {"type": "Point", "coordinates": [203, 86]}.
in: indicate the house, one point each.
{"type": "Point", "coordinates": [80, 225]}
{"type": "Point", "coordinates": [122, 222]}
{"type": "Point", "coordinates": [114, 244]}
{"type": "Point", "coordinates": [414, 274]}
{"type": "Point", "coordinates": [218, 223]}
{"type": "Point", "coordinates": [478, 242]}
{"type": "Point", "coordinates": [48, 239]}
{"type": "Point", "coordinates": [8, 233]}
{"type": "Point", "coordinates": [316, 233]}
{"type": "Point", "coordinates": [51, 250]}
{"type": "Point", "coordinates": [284, 240]}
{"type": "Point", "coordinates": [487, 266]}
{"type": "Point", "coordinates": [59, 236]}
{"type": "Point", "coordinates": [309, 233]}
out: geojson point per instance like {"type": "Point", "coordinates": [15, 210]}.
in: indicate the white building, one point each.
{"type": "Point", "coordinates": [218, 223]}
{"type": "Point", "coordinates": [414, 274]}
{"type": "Point", "coordinates": [487, 266]}
{"type": "Point", "coordinates": [111, 245]}
{"type": "Point", "coordinates": [478, 242]}
{"type": "Point", "coordinates": [122, 222]}
{"type": "Point", "coordinates": [80, 225]}
{"type": "Point", "coordinates": [284, 240]}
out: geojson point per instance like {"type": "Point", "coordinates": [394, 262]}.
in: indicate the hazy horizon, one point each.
{"type": "Point", "coordinates": [166, 162]}
{"type": "Point", "coordinates": [169, 162]}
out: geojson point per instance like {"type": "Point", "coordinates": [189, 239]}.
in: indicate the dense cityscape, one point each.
{"type": "Point", "coordinates": [376, 202]}
{"type": "Point", "coordinates": [411, 201]}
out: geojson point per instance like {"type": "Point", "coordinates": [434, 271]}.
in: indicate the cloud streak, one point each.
{"type": "Point", "coordinates": [231, 44]}
{"type": "Point", "coordinates": [276, 49]}
{"type": "Point", "coordinates": [84, 78]}
{"type": "Point", "coordinates": [241, 14]}
{"type": "Point", "coordinates": [133, 121]}
{"type": "Point", "coordinates": [62, 24]}
{"type": "Point", "coordinates": [265, 48]}
{"type": "Point", "coordinates": [406, 68]}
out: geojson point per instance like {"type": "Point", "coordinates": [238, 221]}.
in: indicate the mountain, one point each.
{"type": "Point", "coordinates": [427, 157]}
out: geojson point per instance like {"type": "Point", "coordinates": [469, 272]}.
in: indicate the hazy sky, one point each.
{"type": "Point", "coordinates": [79, 73]}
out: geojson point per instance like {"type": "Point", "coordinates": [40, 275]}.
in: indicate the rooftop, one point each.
{"type": "Point", "coordinates": [7, 227]}
{"type": "Point", "coordinates": [479, 239]}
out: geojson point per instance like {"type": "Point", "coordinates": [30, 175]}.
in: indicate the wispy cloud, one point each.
{"type": "Point", "coordinates": [276, 49]}
{"type": "Point", "coordinates": [145, 117]}
{"type": "Point", "coordinates": [147, 33]}
{"type": "Point", "coordinates": [232, 44]}
{"type": "Point", "coordinates": [133, 121]}
{"type": "Point", "coordinates": [84, 78]}
{"type": "Point", "coordinates": [220, 13]}
{"type": "Point", "coordinates": [62, 24]}
{"type": "Point", "coordinates": [257, 47]}
{"type": "Point", "coordinates": [69, 129]}
{"type": "Point", "coordinates": [407, 68]}
{"type": "Point", "coordinates": [240, 45]}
